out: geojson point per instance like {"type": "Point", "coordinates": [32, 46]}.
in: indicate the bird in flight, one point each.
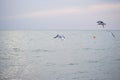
{"type": "Point", "coordinates": [101, 23]}
{"type": "Point", "coordinates": [59, 36]}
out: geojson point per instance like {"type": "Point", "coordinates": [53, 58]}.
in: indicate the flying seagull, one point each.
{"type": "Point", "coordinates": [101, 23]}
{"type": "Point", "coordinates": [59, 36]}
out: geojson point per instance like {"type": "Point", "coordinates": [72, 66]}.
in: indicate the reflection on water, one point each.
{"type": "Point", "coordinates": [35, 55]}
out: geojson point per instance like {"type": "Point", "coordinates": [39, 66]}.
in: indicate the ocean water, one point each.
{"type": "Point", "coordinates": [82, 55]}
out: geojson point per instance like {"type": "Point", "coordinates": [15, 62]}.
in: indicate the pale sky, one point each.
{"type": "Point", "coordinates": [59, 14]}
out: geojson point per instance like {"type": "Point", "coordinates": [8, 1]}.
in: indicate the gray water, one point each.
{"type": "Point", "coordinates": [82, 55]}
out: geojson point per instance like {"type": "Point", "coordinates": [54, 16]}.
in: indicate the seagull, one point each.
{"type": "Point", "coordinates": [101, 23]}
{"type": "Point", "coordinates": [59, 36]}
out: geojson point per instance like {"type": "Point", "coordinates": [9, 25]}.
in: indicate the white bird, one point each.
{"type": "Point", "coordinates": [59, 36]}
{"type": "Point", "coordinates": [101, 23]}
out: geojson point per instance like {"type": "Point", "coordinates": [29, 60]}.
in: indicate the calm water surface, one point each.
{"type": "Point", "coordinates": [82, 55]}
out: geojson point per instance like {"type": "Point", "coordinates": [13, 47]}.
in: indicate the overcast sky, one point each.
{"type": "Point", "coordinates": [59, 14]}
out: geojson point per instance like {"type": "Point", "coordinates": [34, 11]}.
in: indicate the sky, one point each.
{"type": "Point", "coordinates": [59, 14]}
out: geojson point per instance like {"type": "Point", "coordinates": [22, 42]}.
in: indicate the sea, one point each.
{"type": "Point", "coordinates": [81, 55]}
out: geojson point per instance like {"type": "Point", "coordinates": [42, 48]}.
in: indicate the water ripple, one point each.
{"type": "Point", "coordinates": [92, 49]}
{"type": "Point", "coordinates": [41, 50]}
{"type": "Point", "coordinates": [17, 50]}
{"type": "Point", "coordinates": [93, 61]}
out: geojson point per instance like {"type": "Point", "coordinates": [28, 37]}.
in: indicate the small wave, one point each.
{"type": "Point", "coordinates": [73, 64]}
{"type": "Point", "coordinates": [50, 64]}
{"type": "Point", "coordinates": [80, 72]}
{"type": "Point", "coordinates": [4, 58]}
{"type": "Point", "coordinates": [92, 49]}
{"type": "Point", "coordinates": [75, 78]}
{"type": "Point", "coordinates": [37, 50]}
{"type": "Point", "coordinates": [93, 61]}
{"type": "Point", "coordinates": [117, 59]}
{"type": "Point", "coordinates": [37, 56]}
{"type": "Point", "coordinates": [41, 50]}
{"type": "Point", "coordinates": [99, 49]}
{"type": "Point", "coordinates": [17, 49]}
{"type": "Point", "coordinates": [18, 65]}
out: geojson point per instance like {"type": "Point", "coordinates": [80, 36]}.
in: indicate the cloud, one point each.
{"type": "Point", "coordinates": [43, 14]}
{"type": "Point", "coordinates": [93, 9]}
{"type": "Point", "coordinates": [104, 7]}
